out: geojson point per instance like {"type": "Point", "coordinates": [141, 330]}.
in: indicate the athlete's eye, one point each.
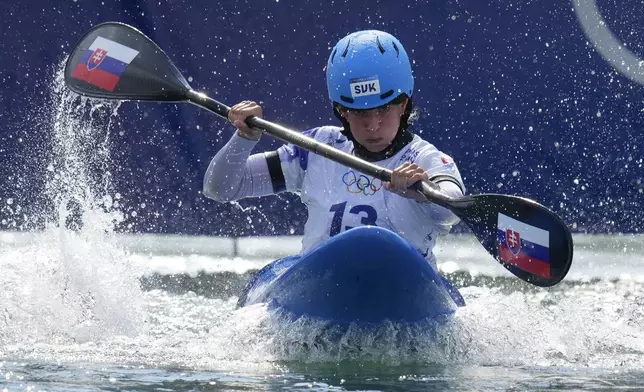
{"type": "Point", "coordinates": [379, 111]}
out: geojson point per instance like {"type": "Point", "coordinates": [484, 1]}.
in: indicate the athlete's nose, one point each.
{"type": "Point", "coordinates": [371, 123]}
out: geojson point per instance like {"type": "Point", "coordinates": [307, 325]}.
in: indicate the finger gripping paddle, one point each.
{"type": "Point", "coordinates": [116, 61]}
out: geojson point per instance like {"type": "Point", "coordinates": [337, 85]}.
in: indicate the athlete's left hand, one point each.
{"type": "Point", "coordinates": [403, 178]}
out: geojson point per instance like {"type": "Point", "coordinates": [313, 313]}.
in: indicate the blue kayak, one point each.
{"type": "Point", "coordinates": [365, 275]}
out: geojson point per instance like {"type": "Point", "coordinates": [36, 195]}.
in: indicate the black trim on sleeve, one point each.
{"type": "Point", "coordinates": [442, 177]}
{"type": "Point", "coordinates": [275, 171]}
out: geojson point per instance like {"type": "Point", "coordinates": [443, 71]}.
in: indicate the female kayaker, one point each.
{"type": "Point", "coordinates": [370, 85]}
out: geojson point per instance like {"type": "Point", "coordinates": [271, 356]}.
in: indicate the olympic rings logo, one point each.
{"type": "Point", "coordinates": [361, 183]}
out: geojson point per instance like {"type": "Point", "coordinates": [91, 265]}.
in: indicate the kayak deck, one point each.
{"type": "Point", "coordinates": [365, 275]}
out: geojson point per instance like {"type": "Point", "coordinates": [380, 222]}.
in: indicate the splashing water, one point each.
{"type": "Point", "coordinates": [73, 294]}
{"type": "Point", "coordinates": [73, 283]}
{"type": "Point", "coordinates": [590, 325]}
{"type": "Point", "coordinates": [253, 209]}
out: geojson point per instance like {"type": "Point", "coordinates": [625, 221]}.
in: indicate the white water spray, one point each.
{"type": "Point", "coordinates": [72, 282]}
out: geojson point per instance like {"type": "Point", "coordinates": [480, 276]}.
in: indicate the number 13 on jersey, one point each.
{"type": "Point", "coordinates": [368, 216]}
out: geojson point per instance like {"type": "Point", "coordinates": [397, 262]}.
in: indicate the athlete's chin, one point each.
{"type": "Point", "coordinates": [375, 145]}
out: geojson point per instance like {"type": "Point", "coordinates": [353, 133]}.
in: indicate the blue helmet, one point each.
{"type": "Point", "coordinates": [367, 69]}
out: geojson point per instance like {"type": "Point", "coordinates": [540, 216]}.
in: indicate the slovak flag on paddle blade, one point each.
{"type": "Point", "coordinates": [103, 63]}
{"type": "Point", "coordinates": [524, 245]}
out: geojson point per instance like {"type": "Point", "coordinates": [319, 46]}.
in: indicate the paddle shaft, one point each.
{"type": "Point", "coordinates": [430, 190]}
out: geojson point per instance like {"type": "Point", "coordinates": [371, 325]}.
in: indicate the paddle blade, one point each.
{"type": "Point", "coordinates": [116, 61]}
{"type": "Point", "coordinates": [528, 239]}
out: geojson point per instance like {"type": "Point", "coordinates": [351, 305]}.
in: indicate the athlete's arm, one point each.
{"type": "Point", "coordinates": [442, 215]}
{"type": "Point", "coordinates": [405, 176]}
{"type": "Point", "coordinates": [234, 174]}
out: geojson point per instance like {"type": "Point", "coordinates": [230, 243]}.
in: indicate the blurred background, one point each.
{"type": "Point", "coordinates": [542, 99]}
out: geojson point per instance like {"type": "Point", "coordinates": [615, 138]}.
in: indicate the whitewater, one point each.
{"type": "Point", "coordinates": [84, 305]}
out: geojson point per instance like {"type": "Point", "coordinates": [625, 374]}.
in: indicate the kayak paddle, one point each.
{"type": "Point", "coordinates": [116, 61]}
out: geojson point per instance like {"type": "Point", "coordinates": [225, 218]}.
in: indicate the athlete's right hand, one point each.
{"type": "Point", "coordinates": [238, 115]}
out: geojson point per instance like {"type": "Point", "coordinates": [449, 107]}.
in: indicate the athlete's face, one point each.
{"type": "Point", "coordinates": [375, 129]}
